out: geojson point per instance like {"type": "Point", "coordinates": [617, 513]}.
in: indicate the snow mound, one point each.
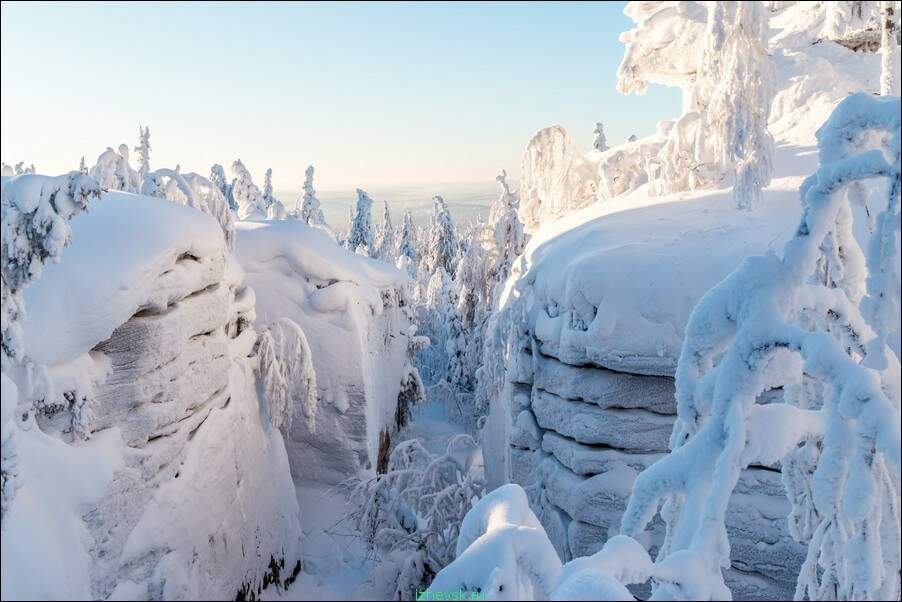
{"type": "Point", "coordinates": [132, 252]}
{"type": "Point", "coordinates": [613, 284]}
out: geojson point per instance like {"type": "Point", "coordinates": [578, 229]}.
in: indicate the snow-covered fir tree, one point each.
{"type": "Point", "coordinates": [385, 237]}
{"type": "Point", "coordinates": [113, 172]}
{"type": "Point", "coordinates": [218, 178]}
{"type": "Point", "coordinates": [143, 150]}
{"type": "Point", "coordinates": [508, 238]}
{"type": "Point", "coordinates": [599, 142]}
{"type": "Point", "coordinates": [275, 209]}
{"type": "Point", "coordinates": [310, 210]}
{"type": "Point", "coordinates": [442, 246]}
{"type": "Point", "coordinates": [82, 168]}
{"type": "Point", "coordinates": [267, 187]}
{"type": "Point", "coordinates": [736, 76]}
{"type": "Point", "coordinates": [360, 235]}
{"type": "Point", "coordinates": [248, 198]}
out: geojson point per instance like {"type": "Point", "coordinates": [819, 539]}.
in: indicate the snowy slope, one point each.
{"type": "Point", "coordinates": [183, 489]}
{"type": "Point", "coordinates": [351, 309]}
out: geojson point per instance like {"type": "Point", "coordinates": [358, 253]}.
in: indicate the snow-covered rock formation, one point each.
{"type": "Point", "coordinates": [595, 311]}
{"type": "Point", "coordinates": [153, 471]}
{"type": "Point", "coordinates": [354, 312]}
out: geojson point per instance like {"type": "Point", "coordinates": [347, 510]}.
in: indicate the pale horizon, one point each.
{"type": "Point", "coordinates": [273, 101]}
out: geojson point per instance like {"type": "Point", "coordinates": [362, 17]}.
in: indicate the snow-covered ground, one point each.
{"type": "Point", "coordinates": [336, 565]}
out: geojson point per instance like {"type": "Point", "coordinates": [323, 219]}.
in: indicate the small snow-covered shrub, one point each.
{"type": "Point", "coordinates": [411, 515]}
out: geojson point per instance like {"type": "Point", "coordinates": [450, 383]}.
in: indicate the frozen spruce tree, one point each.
{"type": "Point", "coordinates": [508, 237]}
{"type": "Point", "coordinates": [407, 246]}
{"type": "Point", "coordinates": [385, 237]}
{"type": "Point", "coordinates": [218, 178]}
{"type": "Point", "coordinates": [82, 168]}
{"type": "Point", "coordinates": [408, 255]}
{"type": "Point", "coordinates": [143, 150]}
{"type": "Point", "coordinates": [267, 187]}
{"type": "Point", "coordinates": [889, 49]}
{"type": "Point", "coordinates": [275, 209]}
{"type": "Point", "coordinates": [113, 172]}
{"type": "Point", "coordinates": [311, 212]}
{"type": "Point", "coordinates": [738, 75]}
{"type": "Point", "coordinates": [441, 251]}
{"type": "Point", "coordinates": [35, 228]}
{"type": "Point", "coordinates": [248, 197]}
{"type": "Point", "coordinates": [360, 236]}
{"type": "Point", "coordinates": [599, 142]}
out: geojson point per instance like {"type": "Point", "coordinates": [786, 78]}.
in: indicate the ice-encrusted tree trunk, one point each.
{"type": "Point", "coordinates": [143, 150]}
{"type": "Point", "coordinates": [666, 48]}
{"type": "Point", "coordinates": [248, 197]}
{"type": "Point", "coordinates": [599, 142]}
{"type": "Point", "coordinates": [889, 49]}
{"type": "Point", "coordinates": [441, 250]}
{"type": "Point", "coordinates": [385, 237]}
{"type": "Point", "coordinates": [310, 211]}
{"type": "Point", "coordinates": [360, 235]}
{"type": "Point", "coordinates": [35, 228]}
{"type": "Point", "coordinates": [737, 77]}
{"type": "Point", "coordinates": [815, 316]}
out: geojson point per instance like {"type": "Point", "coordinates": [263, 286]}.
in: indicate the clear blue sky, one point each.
{"type": "Point", "coordinates": [372, 94]}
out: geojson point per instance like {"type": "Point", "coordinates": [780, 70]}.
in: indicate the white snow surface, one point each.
{"type": "Point", "coordinates": [613, 284]}
{"type": "Point", "coordinates": [124, 245]}
{"type": "Point", "coordinates": [348, 307]}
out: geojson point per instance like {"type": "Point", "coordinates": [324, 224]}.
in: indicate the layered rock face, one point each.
{"type": "Point", "coordinates": [353, 312]}
{"type": "Point", "coordinates": [581, 434]}
{"type": "Point", "coordinates": [201, 503]}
